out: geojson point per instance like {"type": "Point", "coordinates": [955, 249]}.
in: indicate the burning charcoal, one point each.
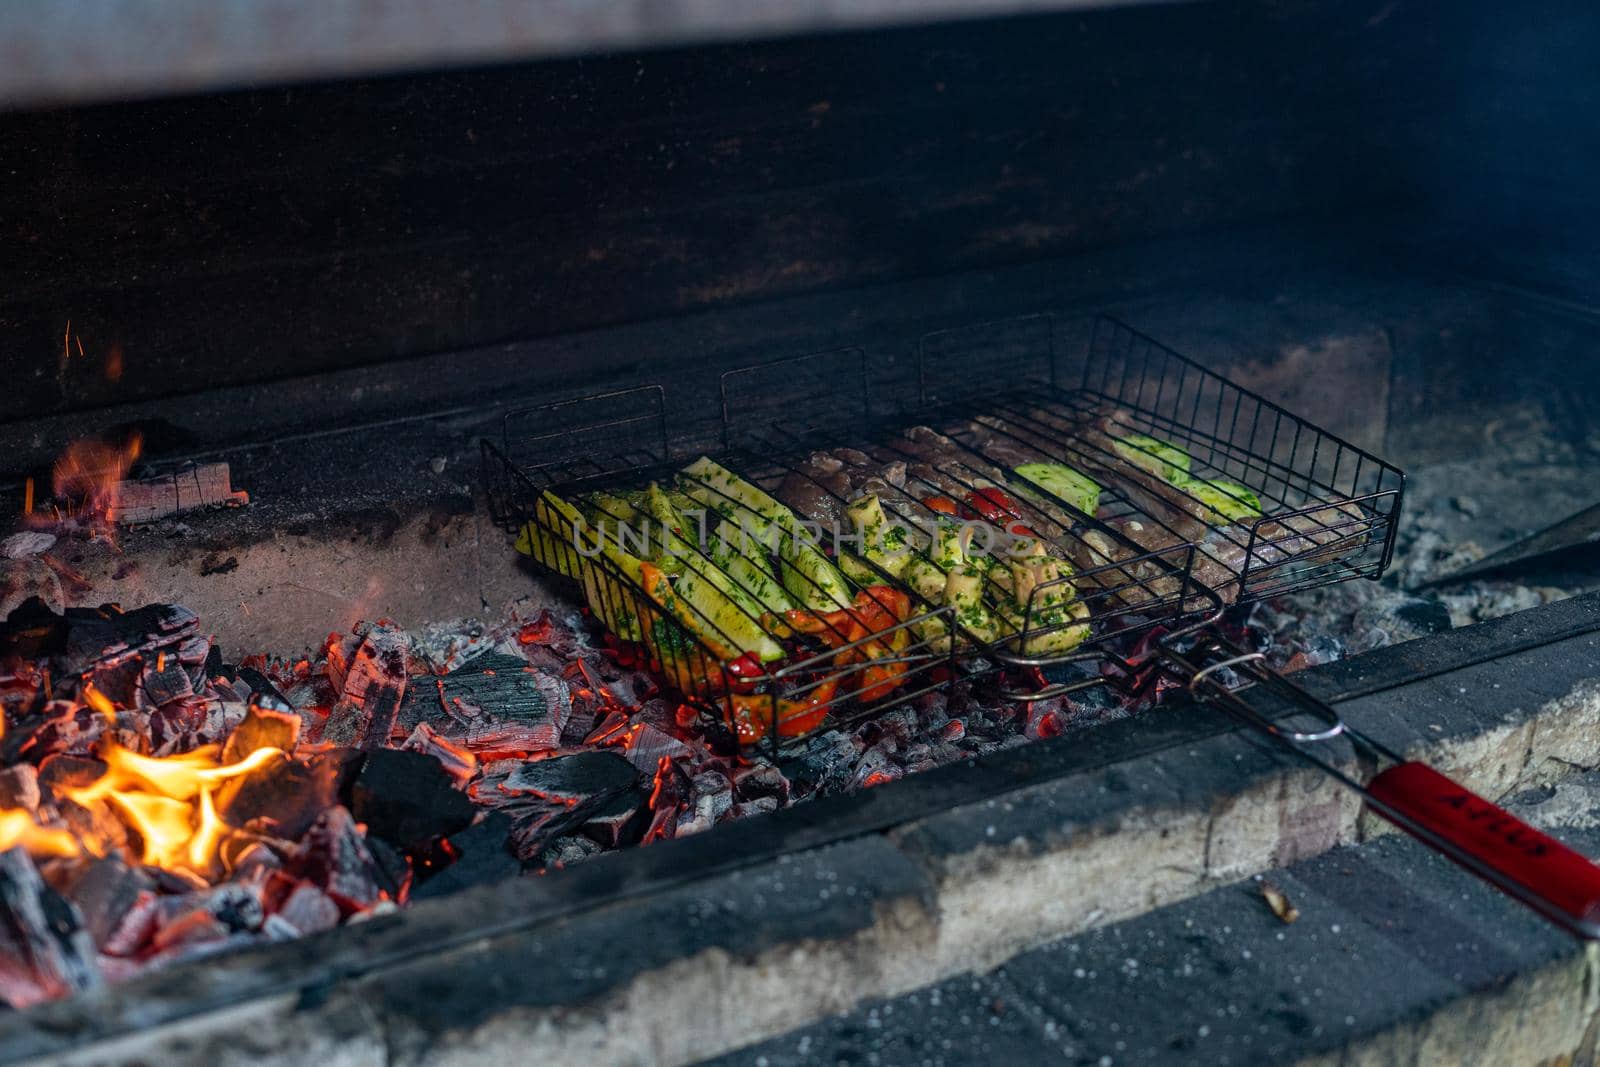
{"type": "Point", "coordinates": [670, 792]}
{"type": "Point", "coordinates": [249, 859]}
{"type": "Point", "coordinates": [394, 868]}
{"type": "Point", "coordinates": [193, 925]}
{"type": "Point", "coordinates": [183, 724]}
{"type": "Point", "coordinates": [19, 787]}
{"type": "Point", "coordinates": [309, 910]}
{"type": "Point", "coordinates": [235, 905]}
{"type": "Point", "coordinates": [128, 933]}
{"type": "Point", "coordinates": [620, 821]}
{"type": "Point", "coordinates": [481, 856]}
{"type": "Point", "coordinates": [759, 780]}
{"type": "Point", "coordinates": [647, 744]}
{"type": "Point", "coordinates": [109, 894]}
{"type": "Point", "coordinates": [612, 727]}
{"type": "Point", "coordinates": [345, 725]}
{"type": "Point", "coordinates": [263, 694]}
{"type": "Point", "coordinates": [105, 634]}
{"type": "Point", "coordinates": [262, 728]}
{"type": "Point", "coordinates": [824, 766]}
{"type": "Point", "coordinates": [160, 679]}
{"type": "Point", "coordinates": [373, 681]}
{"type": "Point", "coordinates": [57, 774]}
{"type": "Point", "coordinates": [407, 798]}
{"type": "Point", "coordinates": [713, 798]}
{"type": "Point", "coordinates": [334, 856]}
{"type": "Point", "coordinates": [875, 768]}
{"type": "Point", "coordinates": [503, 689]}
{"type": "Point", "coordinates": [459, 763]}
{"type": "Point", "coordinates": [566, 851]}
{"type": "Point", "coordinates": [44, 949]}
{"type": "Point", "coordinates": [571, 780]}
{"type": "Point", "coordinates": [758, 806]}
{"type": "Point", "coordinates": [97, 825]}
{"type": "Point", "coordinates": [282, 798]}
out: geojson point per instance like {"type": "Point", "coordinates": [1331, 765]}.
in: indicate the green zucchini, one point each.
{"type": "Point", "coordinates": [1075, 489]}
{"type": "Point", "coordinates": [805, 572]}
{"type": "Point", "coordinates": [1225, 500]}
{"type": "Point", "coordinates": [1161, 458]}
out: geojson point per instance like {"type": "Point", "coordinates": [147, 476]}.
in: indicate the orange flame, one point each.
{"type": "Point", "coordinates": [168, 801]}
{"type": "Point", "coordinates": [88, 475]}
{"type": "Point", "coordinates": [17, 827]}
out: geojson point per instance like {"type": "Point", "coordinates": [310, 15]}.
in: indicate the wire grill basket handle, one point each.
{"type": "Point", "coordinates": [1526, 864]}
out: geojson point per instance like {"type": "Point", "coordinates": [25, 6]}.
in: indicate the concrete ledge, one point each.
{"type": "Point", "coordinates": [1397, 957]}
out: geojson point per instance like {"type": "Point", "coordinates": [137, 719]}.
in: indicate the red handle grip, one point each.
{"type": "Point", "coordinates": [1533, 867]}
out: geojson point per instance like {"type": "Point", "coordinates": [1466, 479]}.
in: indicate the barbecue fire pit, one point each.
{"type": "Point", "coordinates": [927, 534]}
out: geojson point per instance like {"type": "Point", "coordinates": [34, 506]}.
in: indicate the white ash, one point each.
{"type": "Point", "coordinates": [1518, 487]}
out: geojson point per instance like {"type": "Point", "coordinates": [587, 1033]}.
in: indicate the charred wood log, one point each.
{"type": "Point", "coordinates": [186, 489]}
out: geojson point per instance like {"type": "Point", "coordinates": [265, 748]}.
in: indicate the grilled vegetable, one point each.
{"type": "Point", "coordinates": [942, 504]}
{"type": "Point", "coordinates": [883, 541]}
{"type": "Point", "coordinates": [607, 597]}
{"type": "Point", "coordinates": [667, 548]}
{"type": "Point", "coordinates": [753, 714]}
{"type": "Point", "coordinates": [1045, 607]}
{"type": "Point", "coordinates": [615, 508]}
{"type": "Point", "coordinates": [744, 581]}
{"type": "Point", "coordinates": [1226, 501]}
{"type": "Point", "coordinates": [1065, 484]}
{"type": "Point", "coordinates": [963, 590]}
{"type": "Point", "coordinates": [1051, 630]}
{"type": "Point", "coordinates": [732, 610]}
{"type": "Point", "coordinates": [697, 606]}
{"type": "Point", "coordinates": [1166, 461]}
{"type": "Point", "coordinates": [805, 572]}
{"type": "Point", "coordinates": [948, 550]}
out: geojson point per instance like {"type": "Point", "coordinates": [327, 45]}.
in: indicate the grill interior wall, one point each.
{"type": "Point", "coordinates": [415, 214]}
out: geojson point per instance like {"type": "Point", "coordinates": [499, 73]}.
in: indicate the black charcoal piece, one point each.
{"type": "Point", "coordinates": [619, 821]}
{"type": "Point", "coordinates": [482, 855]}
{"type": "Point", "coordinates": [574, 778]}
{"type": "Point", "coordinates": [262, 692]}
{"type": "Point", "coordinates": [407, 798]}
{"type": "Point", "coordinates": [282, 798]}
{"type": "Point", "coordinates": [498, 686]}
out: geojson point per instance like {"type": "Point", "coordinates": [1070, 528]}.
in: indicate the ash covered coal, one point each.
{"type": "Point", "coordinates": [1455, 513]}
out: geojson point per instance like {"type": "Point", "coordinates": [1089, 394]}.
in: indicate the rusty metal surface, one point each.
{"type": "Point", "coordinates": [76, 51]}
